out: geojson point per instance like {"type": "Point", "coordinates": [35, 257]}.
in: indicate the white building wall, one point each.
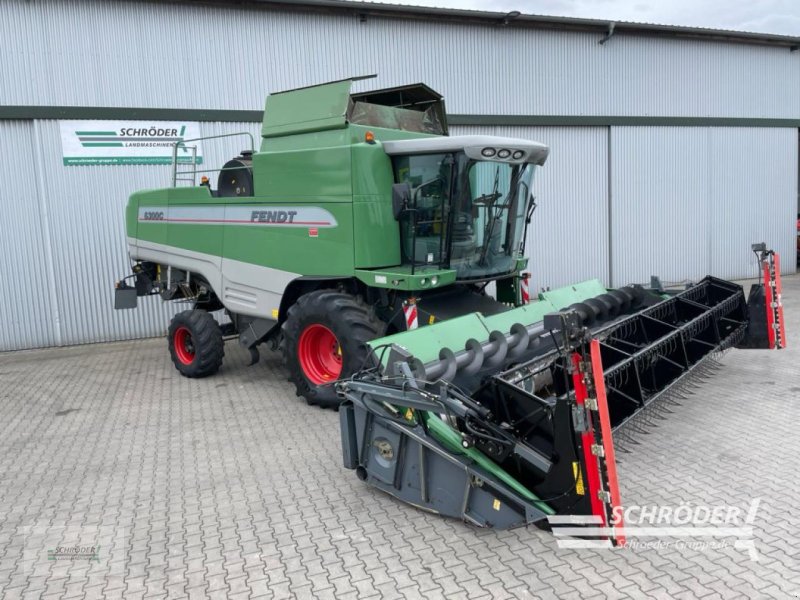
{"type": "Point", "coordinates": [27, 310]}
{"type": "Point", "coordinates": [660, 225]}
{"type": "Point", "coordinates": [687, 202]}
{"type": "Point", "coordinates": [752, 194]}
{"type": "Point", "coordinates": [63, 239]}
{"type": "Point", "coordinates": [173, 55]}
{"type": "Point", "coordinates": [615, 203]}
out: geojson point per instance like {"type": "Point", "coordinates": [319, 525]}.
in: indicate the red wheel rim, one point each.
{"type": "Point", "coordinates": [320, 354]}
{"type": "Point", "coordinates": [184, 346]}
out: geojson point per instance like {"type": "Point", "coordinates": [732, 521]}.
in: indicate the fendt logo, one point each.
{"type": "Point", "coordinates": [273, 216]}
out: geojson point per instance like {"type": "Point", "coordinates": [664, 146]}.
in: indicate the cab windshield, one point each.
{"type": "Point", "coordinates": [463, 214]}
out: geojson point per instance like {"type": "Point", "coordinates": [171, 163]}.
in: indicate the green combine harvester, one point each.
{"type": "Point", "coordinates": [360, 239]}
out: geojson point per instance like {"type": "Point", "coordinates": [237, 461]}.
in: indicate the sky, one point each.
{"type": "Point", "coordinates": [763, 16]}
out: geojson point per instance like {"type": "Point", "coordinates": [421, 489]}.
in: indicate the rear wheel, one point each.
{"type": "Point", "coordinates": [195, 343]}
{"type": "Point", "coordinates": [325, 338]}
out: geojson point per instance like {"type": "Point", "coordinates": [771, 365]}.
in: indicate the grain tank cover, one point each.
{"type": "Point", "coordinates": [303, 110]}
{"type": "Point", "coordinates": [415, 108]}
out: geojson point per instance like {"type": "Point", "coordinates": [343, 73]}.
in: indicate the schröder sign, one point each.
{"type": "Point", "coordinates": [128, 142]}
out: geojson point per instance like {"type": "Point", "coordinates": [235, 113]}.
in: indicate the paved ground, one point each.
{"type": "Point", "coordinates": [233, 487]}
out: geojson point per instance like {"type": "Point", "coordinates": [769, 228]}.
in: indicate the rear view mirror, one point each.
{"type": "Point", "coordinates": [401, 194]}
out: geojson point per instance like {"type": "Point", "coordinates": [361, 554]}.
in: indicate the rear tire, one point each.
{"type": "Point", "coordinates": [325, 339]}
{"type": "Point", "coordinates": [195, 343]}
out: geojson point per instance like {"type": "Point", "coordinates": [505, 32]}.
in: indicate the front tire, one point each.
{"type": "Point", "coordinates": [325, 339]}
{"type": "Point", "coordinates": [195, 343]}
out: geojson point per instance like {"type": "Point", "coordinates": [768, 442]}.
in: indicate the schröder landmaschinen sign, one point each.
{"type": "Point", "coordinates": [129, 142]}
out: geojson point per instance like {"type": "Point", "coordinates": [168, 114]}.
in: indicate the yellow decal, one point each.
{"type": "Point", "coordinates": [431, 319]}
{"type": "Point", "coordinates": [576, 472]}
{"type": "Point", "coordinates": [496, 504]}
{"type": "Point", "coordinates": [275, 313]}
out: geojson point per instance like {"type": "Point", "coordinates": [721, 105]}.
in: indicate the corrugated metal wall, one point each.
{"type": "Point", "coordinates": [63, 239]}
{"type": "Point", "coordinates": [27, 309]}
{"type": "Point", "coordinates": [752, 192]}
{"type": "Point", "coordinates": [229, 57]}
{"type": "Point", "coordinates": [658, 203]}
{"type": "Point", "coordinates": [616, 203]}
{"type": "Point", "coordinates": [686, 202]}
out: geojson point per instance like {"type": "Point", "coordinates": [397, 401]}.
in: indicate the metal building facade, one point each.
{"type": "Point", "coordinates": [95, 53]}
{"type": "Point", "coordinates": [621, 197]}
{"type": "Point", "coordinates": [684, 201]}
{"type": "Point", "coordinates": [64, 240]}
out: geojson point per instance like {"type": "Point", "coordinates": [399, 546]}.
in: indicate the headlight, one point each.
{"type": "Point", "coordinates": [488, 152]}
{"type": "Point", "coordinates": [518, 154]}
{"type": "Point", "coordinates": [434, 280]}
{"type": "Point", "coordinates": [503, 153]}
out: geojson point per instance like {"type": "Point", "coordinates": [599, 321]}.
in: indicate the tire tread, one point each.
{"type": "Point", "coordinates": [208, 343]}
{"type": "Point", "coordinates": [339, 309]}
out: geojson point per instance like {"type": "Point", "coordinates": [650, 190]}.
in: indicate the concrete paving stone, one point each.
{"type": "Point", "coordinates": [176, 590]}
{"type": "Point", "coordinates": [343, 586]}
{"type": "Point", "coordinates": [218, 594]}
{"type": "Point", "coordinates": [196, 578]}
{"type": "Point", "coordinates": [216, 582]}
{"type": "Point", "coordinates": [410, 590]}
{"type": "Point", "coordinates": [236, 585]}
{"type": "Point", "coordinates": [403, 578]}
{"type": "Point", "coordinates": [258, 587]}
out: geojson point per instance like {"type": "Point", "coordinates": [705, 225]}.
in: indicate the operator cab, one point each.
{"type": "Point", "coordinates": [463, 201]}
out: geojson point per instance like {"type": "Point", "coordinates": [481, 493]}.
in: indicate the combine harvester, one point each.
{"type": "Point", "coordinates": [360, 217]}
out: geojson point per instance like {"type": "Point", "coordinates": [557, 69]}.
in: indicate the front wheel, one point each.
{"type": "Point", "coordinates": [195, 343]}
{"type": "Point", "coordinates": [325, 339]}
